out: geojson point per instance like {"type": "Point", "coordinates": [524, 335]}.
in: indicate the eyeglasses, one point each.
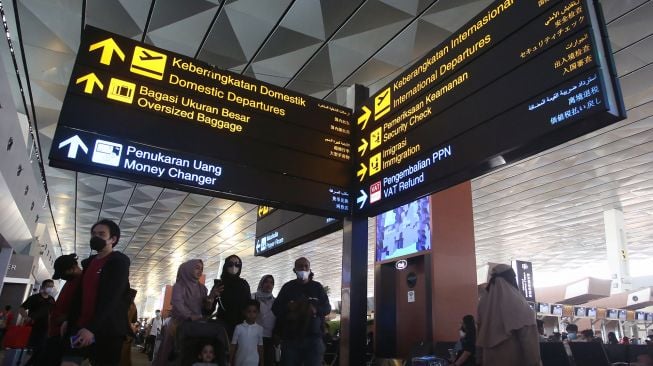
{"type": "Point", "coordinates": [233, 264]}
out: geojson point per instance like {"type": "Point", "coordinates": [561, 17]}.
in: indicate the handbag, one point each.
{"type": "Point", "coordinates": [17, 336]}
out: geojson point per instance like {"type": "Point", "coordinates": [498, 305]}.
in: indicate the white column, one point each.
{"type": "Point", "coordinates": [617, 250]}
{"type": "Point", "coordinates": [5, 258]}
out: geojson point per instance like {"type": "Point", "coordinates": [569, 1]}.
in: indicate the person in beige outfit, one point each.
{"type": "Point", "coordinates": [507, 331]}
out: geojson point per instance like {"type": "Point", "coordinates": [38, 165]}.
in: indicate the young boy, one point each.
{"type": "Point", "coordinates": [247, 342]}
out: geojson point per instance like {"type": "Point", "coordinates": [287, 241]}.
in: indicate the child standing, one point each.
{"type": "Point", "coordinates": [206, 356]}
{"type": "Point", "coordinates": [247, 342]}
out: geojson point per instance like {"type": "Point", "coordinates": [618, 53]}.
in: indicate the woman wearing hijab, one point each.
{"type": "Point", "coordinates": [507, 331]}
{"type": "Point", "coordinates": [232, 294]}
{"type": "Point", "coordinates": [265, 317]}
{"type": "Point", "coordinates": [189, 303]}
{"type": "Point", "coordinates": [467, 355]}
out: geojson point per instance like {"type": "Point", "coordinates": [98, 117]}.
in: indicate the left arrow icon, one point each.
{"type": "Point", "coordinates": [109, 47]}
{"type": "Point", "coordinates": [362, 199]}
{"type": "Point", "coordinates": [91, 80]}
{"type": "Point", "coordinates": [74, 143]}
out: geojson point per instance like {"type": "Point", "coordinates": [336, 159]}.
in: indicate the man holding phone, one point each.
{"type": "Point", "coordinates": [300, 309]}
{"type": "Point", "coordinates": [99, 323]}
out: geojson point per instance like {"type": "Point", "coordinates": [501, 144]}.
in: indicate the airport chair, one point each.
{"type": "Point", "coordinates": [636, 350]}
{"type": "Point", "coordinates": [616, 352]}
{"type": "Point", "coordinates": [554, 354]}
{"type": "Point", "coordinates": [588, 354]}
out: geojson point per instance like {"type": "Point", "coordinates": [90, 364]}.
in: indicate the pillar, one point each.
{"type": "Point", "coordinates": [617, 250]}
{"type": "Point", "coordinates": [453, 260]}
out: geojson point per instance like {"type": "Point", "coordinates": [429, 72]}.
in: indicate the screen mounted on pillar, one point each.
{"type": "Point", "coordinates": [141, 113]}
{"type": "Point", "coordinates": [519, 78]}
{"type": "Point", "coordinates": [404, 230]}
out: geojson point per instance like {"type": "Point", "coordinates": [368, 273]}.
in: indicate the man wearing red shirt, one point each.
{"type": "Point", "coordinates": [98, 323]}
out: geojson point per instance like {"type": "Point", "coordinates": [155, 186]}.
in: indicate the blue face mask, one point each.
{"type": "Point", "coordinates": [572, 336]}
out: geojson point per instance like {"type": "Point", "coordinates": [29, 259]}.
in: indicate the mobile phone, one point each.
{"type": "Point", "coordinates": [217, 282]}
{"type": "Point", "coordinates": [73, 341]}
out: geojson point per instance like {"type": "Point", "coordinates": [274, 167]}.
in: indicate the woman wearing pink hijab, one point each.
{"type": "Point", "coordinates": [189, 302]}
{"type": "Point", "coordinates": [507, 331]}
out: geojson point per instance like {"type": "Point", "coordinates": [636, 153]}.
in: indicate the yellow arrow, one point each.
{"type": "Point", "coordinates": [108, 46]}
{"type": "Point", "coordinates": [364, 117]}
{"type": "Point", "coordinates": [361, 172]}
{"type": "Point", "coordinates": [363, 147]}
{"type": "Point", "coordinates": [91, 80]}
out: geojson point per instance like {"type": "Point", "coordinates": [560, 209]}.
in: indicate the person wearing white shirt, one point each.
{"type": "Point", "coordinates": [155, 329]}
{"type": "Point", "coordinates": [247, 342]}
{"type": "Point", "coordinates": [266, 317]}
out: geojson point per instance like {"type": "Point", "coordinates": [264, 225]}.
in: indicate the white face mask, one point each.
{"type": "Point", "coordinates": [49, 291]}
{"type": "Point", "coordinates": [303, 275]}
{"type": "Point", "coordinates": [232, 270]}
{"type": "Point", "coordinates": [462, 334]}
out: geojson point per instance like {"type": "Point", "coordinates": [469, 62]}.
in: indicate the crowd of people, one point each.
{"type": "Point", "coordinates": [94, 317]}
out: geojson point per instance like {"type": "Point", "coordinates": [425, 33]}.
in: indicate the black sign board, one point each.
{"type": "Point", "coordinates": [256, 140]}
{"type": "Point", "coordinates": [524, 271]}
{"type": "Point", "coordinates": [279, 230]}
{"type": "Point", "coordinates": [519, 78]}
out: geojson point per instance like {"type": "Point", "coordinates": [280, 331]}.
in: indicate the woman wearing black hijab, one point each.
{"type": "Point", "coordinates": [233, 293]}
{"type": "Point", "coordinates": [467, 355]}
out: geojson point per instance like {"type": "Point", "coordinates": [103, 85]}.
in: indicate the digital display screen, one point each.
{"type": "Point", "coordinates": [649, 317]}
{"type": "Point", "coordinates": [557, 310]}
{"type": "Point", "coordinates": [640, 315]}
{"type": "Point", "coordinates": [591, 312]}
{"type": "Point", "coordinates": [580, 312]}
{"type": "Point", "coordinates": [520, 87]}
{"type": "Point", "coordinates": [543, 308]}
{"type": "Point", "coordinates": [613, 314]}
{"type": "Point", "coordinates": [404, 230]}
{"type": "Point", "coordinates": [623, 314]}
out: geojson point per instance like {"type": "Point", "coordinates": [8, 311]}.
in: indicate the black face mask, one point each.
{"type": "Point", "coordinates": [98, 243]}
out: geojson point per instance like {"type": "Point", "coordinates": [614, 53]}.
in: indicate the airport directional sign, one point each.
{"type": "Point", "coordinates": [519, 78]}
{"type": "Point", "coordinates": [279, 230]}
{"type": "Point", "coordinates": [268, 138]}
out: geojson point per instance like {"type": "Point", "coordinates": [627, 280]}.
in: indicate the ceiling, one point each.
{"type": "Point", "coordinates": [547, 208]}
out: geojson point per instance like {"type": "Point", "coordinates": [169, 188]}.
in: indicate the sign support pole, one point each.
{"type": "Point", "coordinates": [353, 331]}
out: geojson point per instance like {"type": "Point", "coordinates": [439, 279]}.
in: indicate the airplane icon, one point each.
{"type": "Point", "coordinates": [147, 56]}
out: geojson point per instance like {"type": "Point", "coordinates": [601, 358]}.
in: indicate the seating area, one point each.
{"type": "Point", "coordinates": [591, 354]}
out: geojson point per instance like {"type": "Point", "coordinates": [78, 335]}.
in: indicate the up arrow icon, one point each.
{"type": "Point", "coordinates": [109, 47]}
{"type": "Point", "coordinates": [73, 143]}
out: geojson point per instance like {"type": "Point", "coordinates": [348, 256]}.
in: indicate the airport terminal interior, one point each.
{"type": "Point", "coordinates": [576, 217]}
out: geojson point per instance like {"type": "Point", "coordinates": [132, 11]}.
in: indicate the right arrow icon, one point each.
{"type": "Point", "coordinates": [361, 172]}
{"type": "Point", "coordinates": [363, 118]}
{"type": "Point", "coordinates": [362, 199]}
{"type": "Point", "coordinates": [363, 147]}
{"type": "Point", "coordinates": [74, 143]}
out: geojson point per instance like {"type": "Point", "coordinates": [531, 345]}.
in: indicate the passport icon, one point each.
{"type": "Point", "coordinates": [382, 104]}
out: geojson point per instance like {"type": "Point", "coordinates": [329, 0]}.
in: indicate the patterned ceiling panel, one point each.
{"type": "Point", "coordinates": [547, 208]}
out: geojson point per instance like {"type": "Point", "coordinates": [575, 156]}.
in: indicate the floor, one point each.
{"type": "Point", "coordinates": [138, 358]}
